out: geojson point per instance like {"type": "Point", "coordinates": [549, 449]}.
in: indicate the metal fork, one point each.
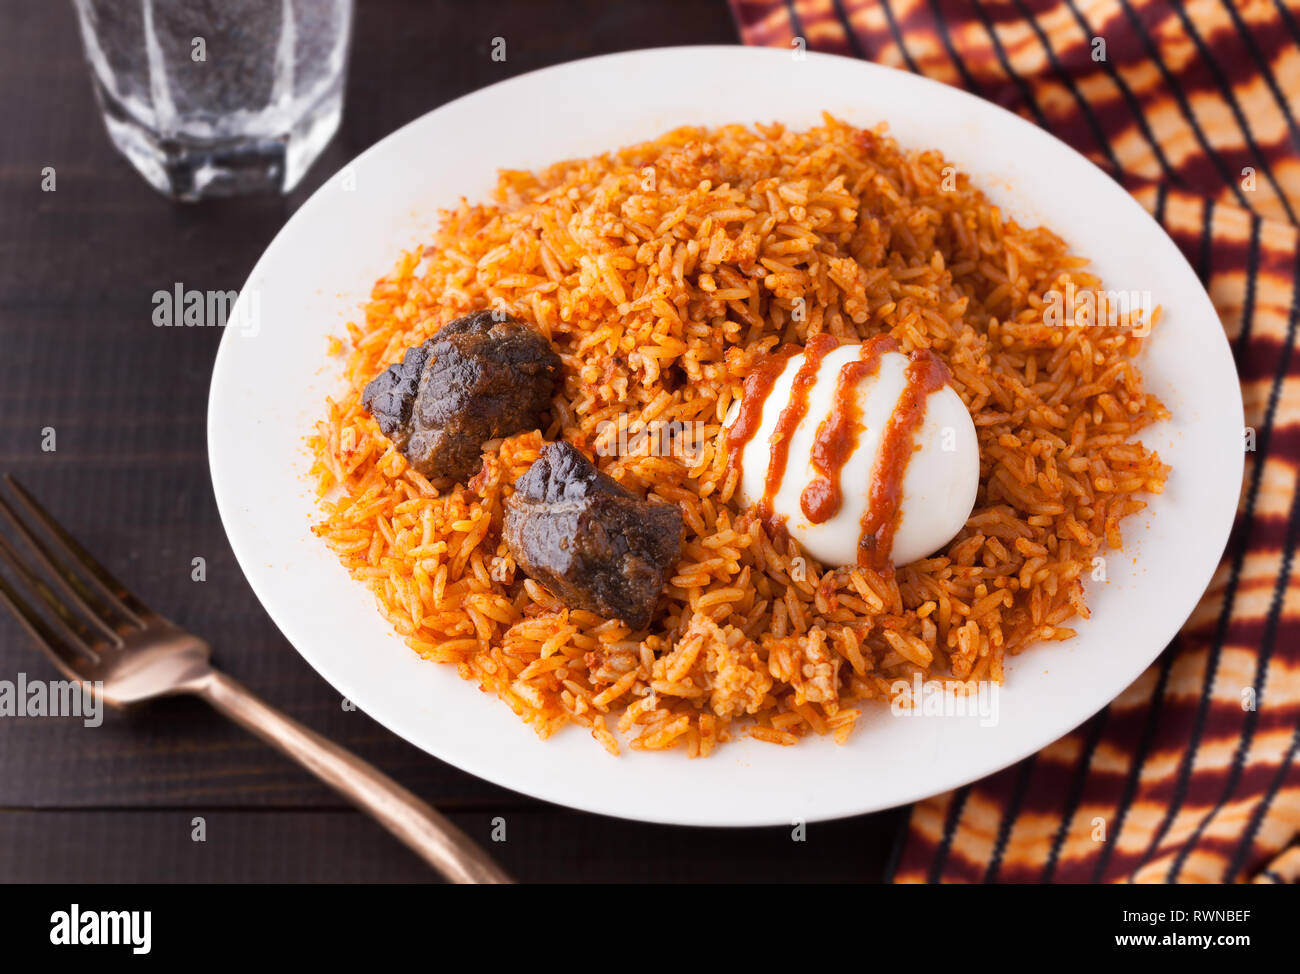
{"type": "Point", "coordinates": [96, 631]}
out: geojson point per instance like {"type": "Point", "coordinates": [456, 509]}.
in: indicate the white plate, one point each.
{"type": "Point", "coordinates": [268, 390]}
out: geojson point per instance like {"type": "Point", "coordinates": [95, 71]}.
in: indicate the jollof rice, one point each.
{"type": "Point", "coordinates": [660, 273]}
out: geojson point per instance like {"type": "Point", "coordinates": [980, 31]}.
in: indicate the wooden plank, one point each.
{"type": "Point", "coordinates": [541, 845]}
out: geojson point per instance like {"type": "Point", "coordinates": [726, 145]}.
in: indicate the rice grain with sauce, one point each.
{"type": "Point", "coordinates": [662, 273]}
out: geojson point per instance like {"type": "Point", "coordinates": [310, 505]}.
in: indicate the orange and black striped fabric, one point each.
{"type": "Point", "coordinates": [1191, 774]}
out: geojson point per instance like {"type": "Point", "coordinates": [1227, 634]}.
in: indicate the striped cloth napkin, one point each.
{"type": "Point", "coordinates": [1192, 107]}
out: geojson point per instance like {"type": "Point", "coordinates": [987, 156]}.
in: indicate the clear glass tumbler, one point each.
{"type": "Point", "coordinates": [218, 97]}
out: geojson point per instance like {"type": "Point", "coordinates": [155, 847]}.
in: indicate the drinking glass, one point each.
{"type": "Point", "coordinates": [218, 97]}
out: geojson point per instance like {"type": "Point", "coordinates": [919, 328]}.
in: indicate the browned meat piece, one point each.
{"type": "Point", "coordinates": [476, 379]}
{"type": "Point", "coordinates": [594, 544]}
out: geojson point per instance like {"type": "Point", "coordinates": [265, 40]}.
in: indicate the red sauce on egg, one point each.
{"type": "Point", "coordinates": [758, 384]}
{"type": "Point", "coordinates": [926, 374]}
{"type": "Point", "coordinates": [791, 416]}
{"type": "Point", "coordinates": [838, 433]}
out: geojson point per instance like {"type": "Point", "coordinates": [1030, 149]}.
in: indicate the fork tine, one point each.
{"type": "Point", "coordinates": [60, 654]}
{"type": "Point", "coordinates": [68, 582]}
{"type": "Point", "coordinates": [75, 629]}
{"type": "Point", "coordinates": [109, 587]}
{"type": "Point", "coordinates": [95, 607]}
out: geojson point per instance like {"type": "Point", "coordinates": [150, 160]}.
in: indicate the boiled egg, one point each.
{"type": "Point", "coordinates": [905, 443]}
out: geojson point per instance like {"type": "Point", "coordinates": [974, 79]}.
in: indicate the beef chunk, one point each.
{"type": "Point", "coordinates": [477, 379]}
{"type": "Point", "coordinates": [594, 544]}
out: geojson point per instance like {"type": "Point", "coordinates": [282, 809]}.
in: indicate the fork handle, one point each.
{"type": "Point", "coordinates": [435, 839]}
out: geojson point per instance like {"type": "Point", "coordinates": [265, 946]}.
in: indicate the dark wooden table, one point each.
{"type": "Point", "coordinates": [78, 353]}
